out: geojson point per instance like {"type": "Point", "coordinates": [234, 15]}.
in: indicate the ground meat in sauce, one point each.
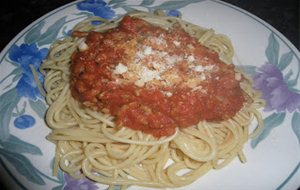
{"type": "Point", "coordinates": [152, 79]}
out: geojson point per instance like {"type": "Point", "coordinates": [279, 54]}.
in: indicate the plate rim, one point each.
{"type": "Point", "coordinates": [271, 28]}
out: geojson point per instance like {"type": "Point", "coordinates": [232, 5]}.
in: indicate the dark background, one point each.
{"type": "Point", "coordinates": [283, 15]}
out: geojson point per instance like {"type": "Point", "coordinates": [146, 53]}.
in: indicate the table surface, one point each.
{"type": "Point", "coordinates": [281, 14]}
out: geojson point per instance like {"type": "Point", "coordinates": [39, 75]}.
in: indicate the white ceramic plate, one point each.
{"type": "Point", "coordinates": [273, 62]}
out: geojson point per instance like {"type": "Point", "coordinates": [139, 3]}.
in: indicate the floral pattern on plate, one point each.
{"type": "Point", "coordinates": [277, 79]}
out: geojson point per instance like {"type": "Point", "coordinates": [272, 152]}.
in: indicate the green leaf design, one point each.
{"type": "Point", "coordinates": [8, 102]}
{"type": "Point", "coordinates": [288, 75]}
{"type": "Point", "coordinates": [285, 60]}
{"type": "Point", "coordinates": [293, 82]}
{"type": "Point", "coordinates": [296, 124]}
{"type": "Point", "coordinates": [11, 62]}
{"type": "Point", "coordinates": [60, 176]}
{"type": "Point", "coordinates": [17, 72]}
{"type": "Point", "coordinates": [38, 107]}
{"type": "Point", "coordinates": [272, 50]}
{"type": "Point", "coordinates": [287, 179]}
{"type": "Point", "coordinates": [34, 34]}
{"type": "Point", "coordinates": [23, 166]}
{"type": "Point", "coordinates": [128, 8]}
{"type": "Point", "coordinates": [51, 33]}
{"type": "Point", "coordinates": [14, 144]}
{"type": "Point", "coordinates": [171, 5]}
{"type": "Point", "coordinates": [115, 1]}
{"type": "Point", "coordinates": [147, 2]}
{"type": "Point", "coordinates": [272, 121]}
{"type": "Point", "coordinates": [16, 77]}
{"type": "Point", "coordinates": [87, 14]}
{"type": "Point", "coordinates": [18, 112]}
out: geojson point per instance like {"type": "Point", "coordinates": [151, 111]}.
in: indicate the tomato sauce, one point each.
{"type": "Point", "coordinates": [153, 80]}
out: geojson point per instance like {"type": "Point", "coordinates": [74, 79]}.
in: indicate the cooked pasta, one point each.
{"type": "Point", "coordinates": [90, 143]}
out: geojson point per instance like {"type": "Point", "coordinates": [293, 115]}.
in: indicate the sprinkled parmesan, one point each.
{"type": "Point", "coordinates": [139, 83]}
{"type": "Point", "coordinates": [120, 69]}
{"type": "Point", "coordinates": [152, 63]}
{"type": "Point", "coordinates": [147, 50]}
{"type": "Point", "coordinates": [147, 75]}
{"type": "Point", "coordinates": [176, 43]}
{"type": "Point", "coordinates": [158, 40]}
{"type": "Point", "coordinates": [169, 94]}
{"type": "Point", "coordinates": [82, 46]}
{"type": "Point", "coordinates": [199, 68]}
{"type": "Point", "coordinates": [166, 93]}
{"type": "Point", "coordinates": [191, 58]}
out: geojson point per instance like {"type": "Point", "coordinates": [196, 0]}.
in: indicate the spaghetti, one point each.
{"type": "Point", "coordinates": [90, 143]}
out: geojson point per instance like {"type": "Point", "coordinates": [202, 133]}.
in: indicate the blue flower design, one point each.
{"type": "Point", "coordinates": [270, 81]}
{"type": "Point", "coordinates": [25, 55]}
{"type": "Point", "coordinates": [78, 184]}
{"type": "Point", "coordinates": [24, 122]}
{"type": "Point", "coordinates": [173, 13]}
{"type": "Point", "coordinates": [97, 7]}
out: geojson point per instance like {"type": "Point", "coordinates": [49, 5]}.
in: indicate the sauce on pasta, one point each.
{"type": "Point", "coordinates": [153, 80]}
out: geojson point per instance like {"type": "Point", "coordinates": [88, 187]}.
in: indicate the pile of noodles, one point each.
{"type": "Point", "coordinates": [88, 143]}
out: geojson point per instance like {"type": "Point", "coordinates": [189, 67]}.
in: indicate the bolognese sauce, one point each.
{"type": "Point", "coordinates": [152, 79]}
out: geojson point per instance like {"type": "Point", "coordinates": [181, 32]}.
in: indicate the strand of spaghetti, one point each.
{"type": "Point", "coordinates": [85, 115]}
{"type": "Point", "coordinates": [231, 129]}
{"type": "Point", "coordinates": [62, 51]}
{"type": "Point", "coordinates": [71, 163]}
{"type": "Point", "coordinates": [73, 134]}
{"type": "Point", "coordinates": [138, 172]}
{"type": "Point", "coordinates": [107, 180]}
{"type": "Point", "coordinates": [139, 150]}
{"type": "Point", "coordinates": [259, 119]}
{"type": "Point", "coordinates": [118, 151]}
{"type": "Point", "coordinates": [191, 164]}
{"type": "Point", "coordinates": [36, 79]}
{"type": "Point", "coordinates": [206, 36]}
{"type": "Point", "coordinates": [54, 86]}
{"type": "Point", "coordinates": [56, 162]}
{"type": "Point", "coordinates": [101, 117]}
{"type": "Point", "coordinates": [190, 146]}
{"type": "Point", "coordinates": [148, 143]}
{"type": "Point", "coordinates": [189, 177]}
{"type": "Point", "coordinates": [53, 116]}
{"type": "Point", "coordinates": [159, 170]}
{"type": "Point", "coordinates": [86, 25]}
{"type": "Point", "coordinates": [155, 157]}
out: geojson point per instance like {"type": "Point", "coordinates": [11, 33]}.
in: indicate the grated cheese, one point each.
{"type": "Point", "coordinates": [191, 58]}
{"type": "Point", "coordinates": [199, 68]}
{"type": "Point", "coordinates": [147, 75]}
{"type": "Point", "coordinates": [147, 50]}
{"type": "Point", "coordinates": [176, 43]}
{"type": "Point", "coordinates": [120, 69]}
{"type": "Point", "coordinates": [153, 64]}
{"type": "Point", "coordinates": [167, 93]}
{"type": "Point", "coordinates": [82, 46]}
